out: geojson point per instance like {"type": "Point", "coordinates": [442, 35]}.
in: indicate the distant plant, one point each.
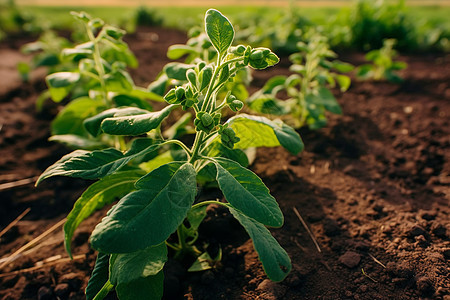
{"type": "Point", "coordinates": [46, 53]}
{"type": "Point", "coordinates": [383, 66]}
{"type": "Point", "coordinates": [132, 239]}
{"type": "Point", "coordinates": [147, 17]}
{"type": "Point", "coordinates": [308, 89]}
{"type": "Point", "coordinates": [95, 79]}
{"type": "Point", "coordinates": [371, 22]}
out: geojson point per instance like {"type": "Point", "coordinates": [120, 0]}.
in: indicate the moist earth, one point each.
{"type": "Point", "coordinates": [373, 187]}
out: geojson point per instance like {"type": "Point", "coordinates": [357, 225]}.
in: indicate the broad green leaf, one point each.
{"type": "Point", "coordinates": [274, 83]}
{"type": "Point", "coordinates": [77, 142]}
{"type": "Point", "coordinates": [158, 161]}
{"type": "Point", "coordinates": [327, 99]}
{"type": "Point", "coordinates": [178, 51]}
{"type": "Point", "coordinates": [144, 94]}
{"type": "Point", "coordinates": [176, 70]}
{"type": "Point", "coordinates": [99, 194]}
{"type": "Point", "coordinates": [257, 131]}
{"type": "Point", "coordinates": [195, 216]}
{"type": "Point", "coordinates": [151, 213]}
{"type": "Point", "coordinates": [267, 104]}
{"type": "Point", "coordinates": [216, 149]}
{"type": "Point", "coordinates": [148, 288]}
{"type": "Point", "coordinates": [275, 260]}
{"type": "Point", "coordinates": [219, 30]}
{"type": "Point", "coordinates": [119, 82]}
{"type": "Point", "coordinates": [343, 81]}
{"type": "Point", "coordinates": [93, 165]}
{"type": "Point", "coordinates": [128, 267]}
{"type": "Point", "coordinates": [342, 67]}
{"type": "Point", "coordinates": [70, 119]}
{"type": "Point", "coordinates": [61, 83]}
{"type": "Point", "coordinates": [128, 100]}
{"type": "Point", "coordinates": [135, 125]}
{"type": "Point", "coordinates": [99, 276]}
{"type": "Point", "coordinates": [244, 190]}
{"type": "Point", "coordinates": [92, 124]}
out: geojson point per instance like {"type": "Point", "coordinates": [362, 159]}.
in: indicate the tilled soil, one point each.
{"type": "Point", "coordinates": [372, 186]}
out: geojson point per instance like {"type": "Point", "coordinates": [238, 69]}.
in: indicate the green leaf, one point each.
{"type": "Point", "coordinates": [327, 99]}
{"type": "Point", "coordinates": [267, 104]}
{"type": "Point", "coordinates": [148, 288]}
{"type": "Point", "coordinates": [137, 124]}
{"type": "Point", "coordinates": [244, 190]}
{"type": "Point", "coordinates": [275, 260]}
{"type": "Point", "coordinates": [99, 276]}
{"type": "Point", "coordinates": [177, 70]}
{"type": "Point", "coordinates": [70, 119]}
{"type": "Point", "coordinates": [151, 213]}
{"type": "Point", "coordinates": [219, 30]}
{"type": "Point", "coordinates": [128, 267]}
{"type": "Point", "coordinates": [95, 164]}
{"type": "Point", "coordinates": [257, 131]}
{"type": "Point", "coordinates": [77, 142]}
{"type": "Point", "coordinates": [195, 216]}
{"type": "Point", "coordinates": [61, 83]}
{"type": "Point", "coordinates": [344, 82]}
{"type": "Point", "coordinates": [342, 67]}
{"type": "Point", "coordinates": [202, 263]}
{"type": "Point", "coordinates": [93, 124]}
{"type": "Point", "coordinates": [216, 149]}
{"type": "Point", "coordinates": [99, 194]}
{"type": "Point", "coordinates": [178, 51]}
{"type": "Point", "coordinates": [158, 161]}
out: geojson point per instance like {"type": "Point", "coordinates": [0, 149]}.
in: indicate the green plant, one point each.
{"type": "Point", "coordinates": [145, 16]}
{"type": "Point", "coordinates": [95, 79]}
{"type": "Point", "coordinates": [308, 89]}
{"type": "Point", "coordinates": [383, 66]}
{"type": "Point", "coordinates": [132, 239]}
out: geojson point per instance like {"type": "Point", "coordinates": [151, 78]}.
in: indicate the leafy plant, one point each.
{"type": "Point", "coordinates": [308, 89]}
{"type": "Point", "coordinates": [97, 81]}
{"type": "Point", "coordinates": [132, 239]}
{"type": "Point", "coordinates": [383, 66]}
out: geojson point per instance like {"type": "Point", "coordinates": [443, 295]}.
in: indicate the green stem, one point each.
{"type": "Point", "coordinates": [104, 291]}
{"type": "Point", "coordinates": [208, 202]}
{"type": "Point", "coordinates": [196, 147]}
{"type": "Point", "coordinates": [98, 64]}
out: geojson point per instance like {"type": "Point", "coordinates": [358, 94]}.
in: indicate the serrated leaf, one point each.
{"type": "Point", "coordinates": [137, 124]}
{"type": "Point", "coordinates": [99, 276]}
{"type": "Point", "coordinates": [149, 288]}
{"type": "Point", "coordinates": [128, 267]}
{"type": "Point", "coordinates": [151, 213]}
{"type": "Point", "coordinates": [219, 30]}
{"type": "Point", "coordinates": [244, 190]}
{"type": "Point", "coordinates": [99, 194]}
{"type": "Point", "coordinates": [93, 165]}
{"type": "Point", "coordinates": [257, 131]}
{"type": "Point", "coordinates": [275, 260]}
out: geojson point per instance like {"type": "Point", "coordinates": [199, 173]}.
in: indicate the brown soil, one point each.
{"type": "Point", "coordinates": [373, 187]}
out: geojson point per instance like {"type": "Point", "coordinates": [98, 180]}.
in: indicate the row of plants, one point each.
{"type": "Point", "coordinates": [149, 163]}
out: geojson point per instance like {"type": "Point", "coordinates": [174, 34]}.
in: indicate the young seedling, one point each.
{"type": "Point", "coordinates": [383, 66]}
{"type": "Point", "coordinates": [132, 239]}
{"type": "Point", "coordinates": [308, 88]}
{"type": "Point", "coordinates": [98, 80]}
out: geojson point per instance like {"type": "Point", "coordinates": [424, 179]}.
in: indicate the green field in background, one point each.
{"type": "Point", "coordinates": [60, 17]}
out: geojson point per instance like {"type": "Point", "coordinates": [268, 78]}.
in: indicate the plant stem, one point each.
{"type": "Point", "coordinates": [196, 147]}
{"type": "Point", "coordinates": [208, 202]}
{"type": "Point", "coordinates": [104, 291]}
